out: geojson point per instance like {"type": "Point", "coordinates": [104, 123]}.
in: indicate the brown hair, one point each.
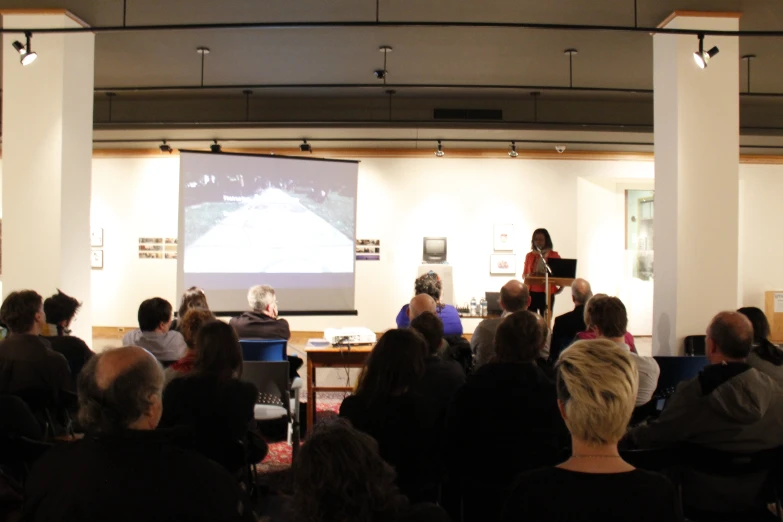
{"type": "Point", "coordinates": [395, 364]}
{"type": "Point", "coordinates": [194, 297]}
{"type": "Point", "coordinates": [518, 338]}
{"type": "Point", "coordinates": [218, 351]}
{"type": "Point", "coordinates": [608, 314]}
{"type": "Point", "coordinates": [190, 324]}
{"type": "Point", "coordinates": [19, 309]}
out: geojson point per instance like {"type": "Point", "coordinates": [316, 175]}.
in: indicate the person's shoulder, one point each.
{"type": "Point", "coordinates": [651, 479]}
{"type": "Point", "coordinates": [424, 513]}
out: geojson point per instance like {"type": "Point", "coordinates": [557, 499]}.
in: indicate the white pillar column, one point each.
{"type": "Point", "coordinates": [696, 179]}
{"type": "Point", "coordinates": [47, 161]}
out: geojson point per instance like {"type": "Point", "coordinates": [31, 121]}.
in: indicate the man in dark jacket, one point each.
{"type": "Point", "coordinates": [571, 323]}
{"type": "Point", "coordinates": [508, 408]}
{"type": "Point", "coordinates": [442, 377]}
{"type": "Point", "coordinates": [729, 406]}
{"type": "Point", "coordinates": [124, 470]}
{"type": "Point", "coordinates": [28, 365]}
{"type": "Point", "coordinates": [262, 322]}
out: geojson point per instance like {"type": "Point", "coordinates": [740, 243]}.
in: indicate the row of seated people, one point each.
{"type": "Point", "coordinates": [428, 420]}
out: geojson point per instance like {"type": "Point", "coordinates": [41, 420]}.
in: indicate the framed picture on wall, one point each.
{"type": "Point", "coordinates": [96, 259]}
{"type": "Point", "coordinates": [503, 237]}
{"type": "Point", "coordinates": [96, 237]}
{"type": "Point", "coordinates": [502, 264]}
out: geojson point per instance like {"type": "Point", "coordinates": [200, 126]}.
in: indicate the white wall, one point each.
{"type": "Point", "coordinates": [401, 200]}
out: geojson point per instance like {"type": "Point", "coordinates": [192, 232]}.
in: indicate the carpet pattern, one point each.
{"type": "Point", "coordinates": [279, 456]}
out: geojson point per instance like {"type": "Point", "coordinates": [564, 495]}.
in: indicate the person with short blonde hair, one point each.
{"type": "Point", "coordinates": [597, 383]}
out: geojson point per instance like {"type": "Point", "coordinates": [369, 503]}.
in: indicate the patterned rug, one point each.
{"type": "Point", "coordinates": [279, 456]}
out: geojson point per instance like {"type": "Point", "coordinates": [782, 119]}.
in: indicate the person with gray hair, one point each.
{"type": "Point", "coordinates": [262, 322]}
{"type": "Point", "coordinates": [570, 323]}
{"type": "Point", "coordinates": [92, 479]}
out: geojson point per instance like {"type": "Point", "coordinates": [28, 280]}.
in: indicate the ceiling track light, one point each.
{"type": "Point", "coordinates": [381, 74]}
{"type": "Point", "coordinates": [439, 152]}
{"type": "Point", "coordinates": [513, 151]}
{"type": "Point", "coordinates": [165, 147]}
{"type": "Point", "coordinates": [215, 147]}
{"type": "Point", "coordinates": [25, 51]}
{"type": "Point", "coordinates": [702, 57]}
{"type": "Point", "coordinates": [306, 147]}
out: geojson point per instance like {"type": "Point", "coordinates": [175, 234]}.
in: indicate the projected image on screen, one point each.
{"type": "Point", "coordinates": [251, 220]}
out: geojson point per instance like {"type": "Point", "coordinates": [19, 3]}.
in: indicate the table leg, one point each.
{"type": "Point", "coordinates": [310, 395]}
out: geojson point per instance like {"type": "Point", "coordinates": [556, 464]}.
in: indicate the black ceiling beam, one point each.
{"type": "Point", "coordinates": [377, 25]}
{"type": "Point", "coordinates": [315, 86]}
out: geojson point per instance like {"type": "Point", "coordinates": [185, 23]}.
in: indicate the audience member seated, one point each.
{"type": "Point", "coordinates": [514, 297]}
{"type": "Point", "coordinates": [442, 377]}
{"type": "Point", "coordinates": [608, 320]}
{"type": "Point", "coordinates": [454, 350]}
{"type": "Point", "coordinates": [29, 367]}
{"type": "Point", "coordinates": [596, 388]}
{"type": "Point", "coordinates": [509, 409]}
{"type": "Point", "coordinates": [212, 401]}
{"type": "Point", "coordinates": [570, 323]}
{"type": "Point", "coordinates": [262, 322]}
{"type": "Point", "coordinates": [729, 406]}
{"type": "Point", "coordinates": [589, 334]}
{"type": "Point", "coordinates": [60, 309]}
{"type": "Point", "coordinates": [339, 476]}
{"type": "Point", "coordinates": [191, 322]}
{"type": "Point", "coordinates": [193, 298]}
{"type": "Point", "coordinates": [155, 334]}
{"type": "Point", "coordinates": [430, 284]}
{"type": "Point", "coordinates": [405, 423]}
{"type": "Point", "coordinates": [764, 356]}
{"type": "Point", "coordinates": [123, 470]}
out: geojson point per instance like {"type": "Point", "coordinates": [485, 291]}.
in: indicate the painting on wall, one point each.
{"type": "Point", "coordinates": [96, 237]}
{"type": "Point", "coordinates": [96, 259]}
{"type": "Point", "coordinates": [503, 264]}
{"type": "Point", "coordinates": [503, 238]}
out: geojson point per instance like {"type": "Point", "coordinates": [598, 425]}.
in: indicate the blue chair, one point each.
{"type": "Point", "coordinates": [268, 350]}
{"type": "Point", "coordinates": [674, 370]}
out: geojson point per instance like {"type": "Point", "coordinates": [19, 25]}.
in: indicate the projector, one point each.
{"type": "Point", "coordinates": [356, 335]}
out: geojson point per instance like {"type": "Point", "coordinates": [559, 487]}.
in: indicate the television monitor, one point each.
{"type": "Point", "coordinates": [434, 250]}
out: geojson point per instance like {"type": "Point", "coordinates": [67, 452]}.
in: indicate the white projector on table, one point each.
{"type": "Point", "coordinates": [354, 335]}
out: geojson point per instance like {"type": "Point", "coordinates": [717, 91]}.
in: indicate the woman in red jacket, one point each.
{"type": "Point", "coordinates": [541, 244]}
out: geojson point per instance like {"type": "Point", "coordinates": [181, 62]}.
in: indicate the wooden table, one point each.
{"type": "Point", "coordinates": [330, 357]}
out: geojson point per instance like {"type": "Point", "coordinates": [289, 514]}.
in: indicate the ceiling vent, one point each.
{"type": "Point", "coordinates": [469, 114]}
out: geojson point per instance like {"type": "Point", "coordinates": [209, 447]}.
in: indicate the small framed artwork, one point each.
{"type": "Point", "coordinates": [502, 264]}
{"type": "Point", "coordinates": [503, 238]}
{"type": "Point", "coordinates": [96, 259]}
{"type": "Point", "coordinates": [96, 237]}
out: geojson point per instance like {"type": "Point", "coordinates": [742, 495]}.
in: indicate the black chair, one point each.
{"type": "Point", "coordinates": [695, 345]}
{"type": "Point", "coordinates": [274, 397]}
{"type": "Point", "coordinates": [760, 470]}
{"type": "Point", "coordinates": [21, 438]}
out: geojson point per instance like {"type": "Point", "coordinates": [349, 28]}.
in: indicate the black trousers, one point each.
{"type": "Point", "coordinates": [538, 302]}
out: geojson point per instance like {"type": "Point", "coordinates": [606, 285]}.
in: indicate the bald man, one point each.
{"type": "Point", "coordinates": [514, 297]}
{"type": "Point", "coordinates": [571, 323]}
{"type": "Point", "coordinates": [90, 480]}
{"type": "Point", "coordinates": [420, 304]}
{"type": "Point", "coordinates": [729, 406]}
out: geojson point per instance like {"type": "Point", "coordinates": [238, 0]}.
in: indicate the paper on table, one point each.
{"type": "Point", "coordinates": [779, 302]}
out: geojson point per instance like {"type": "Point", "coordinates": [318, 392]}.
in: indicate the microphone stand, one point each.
{"type": "Point", "coordinates": [547, 273]}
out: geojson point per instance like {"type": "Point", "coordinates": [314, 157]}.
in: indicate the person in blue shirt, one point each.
{"type": "Point", "coordinates": [431, 285]}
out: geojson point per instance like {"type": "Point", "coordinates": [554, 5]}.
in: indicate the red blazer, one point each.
{"type": "Point", "coordinates": [530, 264]}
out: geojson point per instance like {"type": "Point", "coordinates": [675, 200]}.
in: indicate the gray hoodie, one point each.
{"type": "Point", "coordinates": [728, 407]}
{"type": "Point", "coordinates": [166, 347]}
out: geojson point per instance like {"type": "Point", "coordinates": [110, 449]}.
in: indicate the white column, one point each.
{"type": "Point", "coordinates": [696, 180]}
{"type": "Point", "coordinates": [47, 162]}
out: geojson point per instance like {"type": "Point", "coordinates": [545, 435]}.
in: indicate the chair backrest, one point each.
{"type": "Point", "coordinates": [695, 345]}
{"type": "Point", "coordinates": [271, 379]}
{"type": "Point", "coordinates": [264, 349]}
{"type": "Point", "coordinates": [730, 464]}
{"type": "Point", "coordinates": [674, 370]}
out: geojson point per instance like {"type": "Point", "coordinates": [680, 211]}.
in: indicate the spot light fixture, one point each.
{"type": "Point", "coordinates": [215, 147]}
{"type": "Point", "coordinates": [439, 152]}
{"type": "Point", "coordinates": [25, 51]}
{"type": "Point", "coordinates": [165, 147]}
{"type": "Point", "coordinates": [306, 147]}
{"type": "Point", "coordinates": [513, 151]}
{"type": "Point", "coordinates": [702, 57]}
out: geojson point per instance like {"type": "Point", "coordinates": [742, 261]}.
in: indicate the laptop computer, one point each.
{"type": "Point", "coordinates": [562, 268]}
{"type": "Point", "coordinates": [493, 303]}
